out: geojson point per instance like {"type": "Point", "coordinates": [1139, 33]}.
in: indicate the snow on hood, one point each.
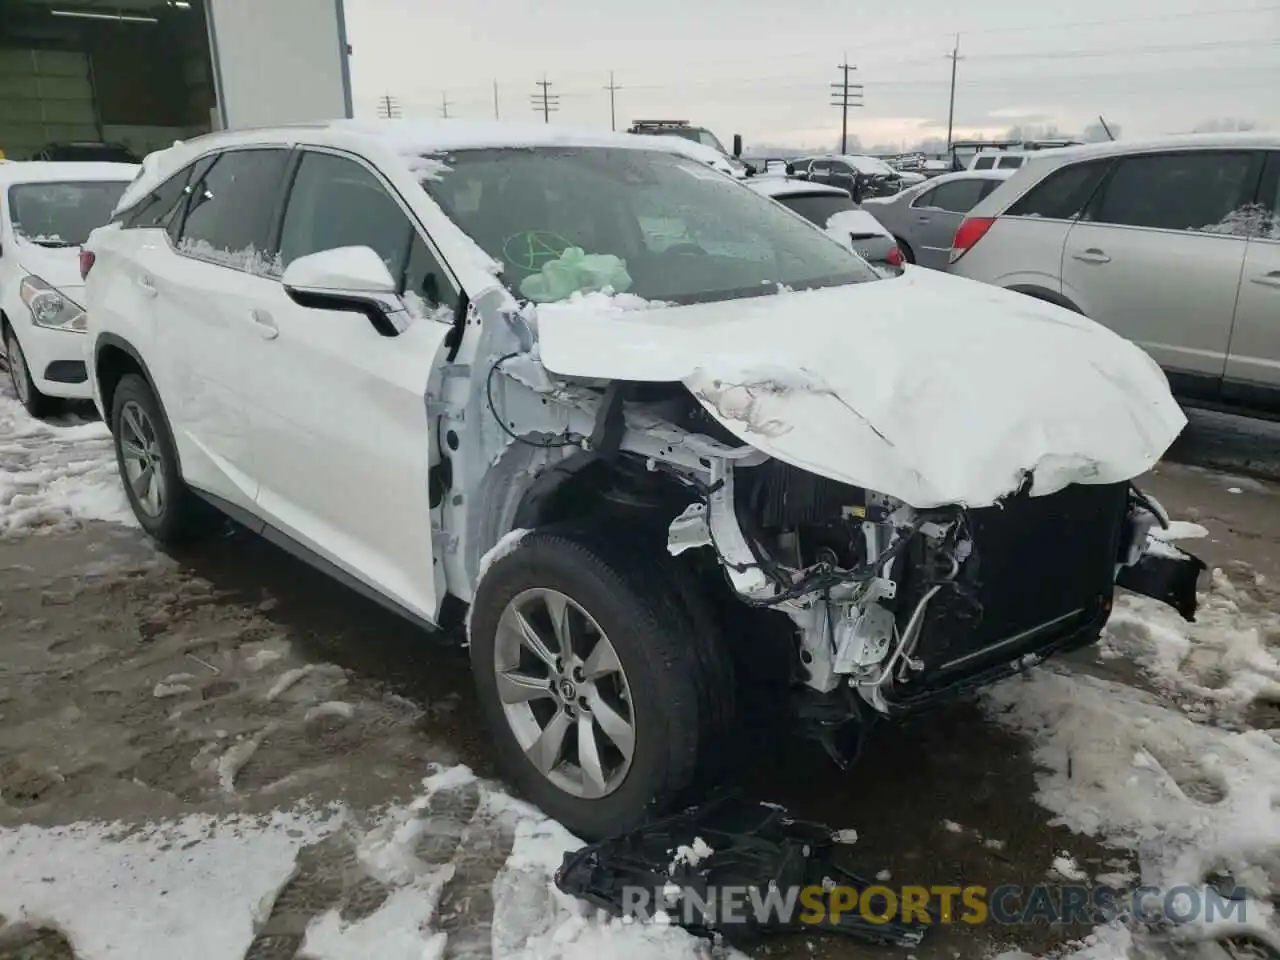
{"type": "Point", "coordinates": [930, 388]}
{"type": "Point", "coordinates": [56, 266]}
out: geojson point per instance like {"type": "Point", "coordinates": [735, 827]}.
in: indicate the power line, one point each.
{"type": "Point", "coordinates": [613, 88]}
{"type": "Point", "coordinates": [388, 107]}
{"type": "Point", "coordinates": [954, 57]}
{"type": "Point", "coordinates": [545, 101]}
{"type": "Point", "coordinates": [845, 95]}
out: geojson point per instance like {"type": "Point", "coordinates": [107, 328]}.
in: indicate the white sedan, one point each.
{"type": "Point", "coordinates": [834, 210]}
{"type": "Point", "coordinates": [46, 212]}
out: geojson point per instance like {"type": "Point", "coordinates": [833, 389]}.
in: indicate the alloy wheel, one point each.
{"type": "Point", "coordinates": [143, 460]}
{"type": "Point", "coordinates": [564, 693]}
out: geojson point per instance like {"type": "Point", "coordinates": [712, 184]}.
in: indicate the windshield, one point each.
{"type": "Point", "coordinates": [62, 214]}
{"type": "Point", "coordinates": [661, 226]}
{"type": "Point", "coordinates": [819, 207]}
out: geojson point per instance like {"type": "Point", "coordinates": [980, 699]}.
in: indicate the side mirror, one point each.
{"type": "Point", "coordinates": [737, 145]}
{"type": "Point", "coordinates": [353, 279]}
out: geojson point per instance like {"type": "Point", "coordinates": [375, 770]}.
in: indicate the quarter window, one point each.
{"type": "Point", "coordinates": [230, 209]}
{"type": "Point", "coordinates": [1205, 191]}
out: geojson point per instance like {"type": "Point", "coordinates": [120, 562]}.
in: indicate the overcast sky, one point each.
{"type": "Point", "coordinates": [763, 67]}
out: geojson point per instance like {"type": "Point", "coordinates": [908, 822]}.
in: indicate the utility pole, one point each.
{"type": "Point", "coordinates": [444, 104]}
{"type": "Point", "coordinates": [495, 99]}
{"type": "Point", "coordinates": [613, 114]}
{"type": "Point", "coordinates": [388, 107]}
{"type": "Point", "coordinates": [845, 95]}
{"type": "Point", "coordinates": [546, 101]}
{"type": "Point", "coordinates": [954, 57]}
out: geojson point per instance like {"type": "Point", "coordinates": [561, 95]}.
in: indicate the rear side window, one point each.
{"type": "Point", "coordinates": [984, 163]}
{"type": "Point", "coordinates": [157, 208]}
{"type": "Point", "coordinates": [1205, 191]}
{"type": "Point", "coordinates": [1009, 163]}
{"type": "Point", "coordinates": [1063, 194]}
{"type": "Point", "coordinates": [958, 196]}
{"type": "Point", "coordinates": [229, 213]}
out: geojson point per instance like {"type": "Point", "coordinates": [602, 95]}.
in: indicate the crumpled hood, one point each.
{"type": "Point", "coordinates": [56, 266]}
{"type": "Point", "coordinates": [927, 387]}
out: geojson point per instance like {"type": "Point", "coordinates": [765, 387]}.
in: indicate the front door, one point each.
{"type": "Point", "coordinates": [1254, 358]}
{"type": "Point", "coordinates": [341, 436]}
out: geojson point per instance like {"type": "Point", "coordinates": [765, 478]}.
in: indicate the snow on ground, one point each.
{"type": "Point", "coordinates": [1194, 801]}
{"type": "Point", "coordinates": [56, 472]}
{"type": "Point", "coordinates": [119, 893]}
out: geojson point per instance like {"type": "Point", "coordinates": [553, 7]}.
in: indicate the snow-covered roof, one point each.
{"type": "Point", "coordinates": [42, 171]}
{"type": "Point", "coordinates": [1246, 140]}
{"type": "Point", "coordinates": [409, 138]}
{"type": "Point", "coordinates": [871, 166]}
{"type": "Point", "coordinates": [790, 186]}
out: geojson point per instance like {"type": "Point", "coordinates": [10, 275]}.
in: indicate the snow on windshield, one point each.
{"type": "Point", "coordinates": [564, 220]}
{"type": "Point", "coordinates": [61, 214]}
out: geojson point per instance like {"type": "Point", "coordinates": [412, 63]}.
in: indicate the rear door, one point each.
{"type": "Point", "coordinates": [936, 213]}
{"type": "Point", "coordinates": [205, 292]}
{"type": "Point", "coordinates": [341, 437]}
{"type": "Point", "coordinates": [1157, 257]}
{"type": "Point", "coordinates": [1253, 363]}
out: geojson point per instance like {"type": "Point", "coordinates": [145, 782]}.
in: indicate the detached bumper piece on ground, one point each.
{"type": "Point", "coordinates": [758, 857]}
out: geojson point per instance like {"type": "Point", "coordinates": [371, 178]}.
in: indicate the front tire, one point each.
{"type": "Point", "coordinates": [36, 403]}
{"type": "Point", "coordinates": [589, 672]}
{"type": "Point", "coordinates": [163, 504]}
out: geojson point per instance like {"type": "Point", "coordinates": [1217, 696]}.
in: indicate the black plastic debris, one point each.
{"type": "Point", "coordinates": [1169, 576]}
{"type": "Point", "coordinates": [737, 868]}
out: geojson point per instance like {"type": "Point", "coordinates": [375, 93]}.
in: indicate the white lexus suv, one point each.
{"type": "Point", "coordinates": [665, 443]}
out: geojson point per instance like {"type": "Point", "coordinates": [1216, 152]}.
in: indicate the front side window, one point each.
{"type": "Point", "coordinates": [229, 210]}
{"type": "Point", "coordinates": [62, 214]}
{"type": "Point", "coordinates": [336, 202]}
{"type": "Point", "coordinates": [563, 220]}
{"type": "Point", "coordinates": [1205, 192]}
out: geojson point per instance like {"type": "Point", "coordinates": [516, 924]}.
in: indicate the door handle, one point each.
{"type": "Point", "coordinates": [922, 219]}
{"type": "Point", "coordinates": [1271, 279]}
{"type": "Point", "coordinates": [265, 326]}
{"type": "Point", "coordinates": [1092, 255]}
{"type": "Point", "coordinates": [147, 286]}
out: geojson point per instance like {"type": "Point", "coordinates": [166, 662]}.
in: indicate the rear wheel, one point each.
{"type": "Point", "coordinates": [163, 505]}
{"type": "Point", "coordinates": [36, 403]}
{"type": "Point", "coordinates": [603, 698]}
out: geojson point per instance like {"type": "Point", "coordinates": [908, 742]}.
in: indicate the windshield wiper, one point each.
{"type": "Point", "coordinates": [53, 244]}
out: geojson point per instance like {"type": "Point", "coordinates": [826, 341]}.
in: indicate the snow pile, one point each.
{"type": "Point", "coordinates": [1194, 801]}
{"type": "Point", "coordinates": [55, 473]}
{"type": "Point", "coordinates": [1219, 665]}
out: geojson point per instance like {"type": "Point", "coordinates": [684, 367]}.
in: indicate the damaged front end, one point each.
{"type": "Point", "coordinates": [898, 608]}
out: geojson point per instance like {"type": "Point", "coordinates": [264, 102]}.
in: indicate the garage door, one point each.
{"type": "Point", "coordinates": [45, 95]}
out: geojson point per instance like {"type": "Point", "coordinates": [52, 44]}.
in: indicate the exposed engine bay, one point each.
{"type": "Point", "coordinates": [892, 607]}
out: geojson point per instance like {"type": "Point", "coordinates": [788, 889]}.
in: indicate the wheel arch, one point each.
{"type": "Point", "coordinates": [907, 250]}
{"type": "Point", "coordinates": [114, 358]}
{"type": "Point", "coordinates": [1045, 294]}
